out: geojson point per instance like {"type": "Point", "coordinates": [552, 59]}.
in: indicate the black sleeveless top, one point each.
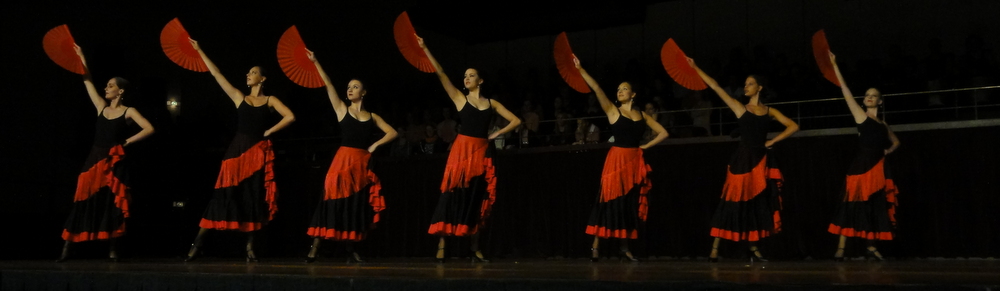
{"type": "Point", "coordinates": [873, 135]}
{"type": "Point", "coordinates": [110, 132]}
{"type": "Point", "coordinates": [252, 120]}
{"type": "Point", "coordinates": [475, 122]}
{"type": "Point", "coordinates": [356, 133]}
{"type": "Point", "coordinates": [753, 129]}
{"type": "Point", "coordinates": [627, 132]}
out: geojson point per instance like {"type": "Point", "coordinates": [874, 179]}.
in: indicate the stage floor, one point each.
{"type": "Point", "coordinates": [570, 274]}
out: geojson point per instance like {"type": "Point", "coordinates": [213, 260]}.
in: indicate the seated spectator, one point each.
{"type": "Point", "coordinates": [431, 143]}
{"type": "Point", "coordinates": [447, 129]}
{"type": "Point", "coordinates": [586, 132]}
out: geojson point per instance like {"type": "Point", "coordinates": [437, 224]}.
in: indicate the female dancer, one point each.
{"type": "Point", "coordinates": [469, 185]}
{"type": "Point", "coordinates": [622, 202]}
{"type": "Point", "coordinates": [750, 202]}
{"type": "Point", "coordinates": [351, 202]}
{"type": "Point", "coordinates": [245, 193]}
{"type": "Point", "coordinates": [869, 205]}
{"type": "Point", "coordinates": [100, 205]}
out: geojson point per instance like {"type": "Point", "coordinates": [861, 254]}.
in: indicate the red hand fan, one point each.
{"type": "Point", "coordinates": [406, 40]}
{"type": "Point", "coordinates": [675, 62]}
{"type": "Point", "coordinates": [294, 61]}
{"type": "Point", "coordinates": [563, 55]}
{"type": "Point", "coordinates": [177, 45]}
{"type": "Point", "coordinates": [821, 50]}
{"type": "Point", "coordinates": [58, 44]}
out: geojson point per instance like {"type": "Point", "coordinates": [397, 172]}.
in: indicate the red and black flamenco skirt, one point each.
{"type": "Point", "coordinates": [100, 204]}
{"type": "Point", "coordinates": [869, 207]}
{"type": "Point", "coordinates": [467, 190]}
{"type": "Point", "coordinates": [351, 202]}
{"type": "Point", "coordinates": [622, 203]}
{"type": "Point", "coordinates": [750, 204]}
{"type": "Point", "coordinates": [245, 193]}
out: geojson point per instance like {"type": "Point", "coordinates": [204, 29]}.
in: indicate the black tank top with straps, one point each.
{"type": "Point", "coordinates": [873, 135]}
{"type": "Point", "coordinates": [252, 119]}
{"type": "Point", "coordinates": [627, 132]}
{"type": "Point", "coordinates": [475, 122]}
{"type": "Point", "coordinates": [110, 132]}
{"type": "Point", "coordinates": [753, 129]}
{"type": "Point", "coordinates": [356, 133]}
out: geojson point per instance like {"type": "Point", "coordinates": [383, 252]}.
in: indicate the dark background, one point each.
{"type": "Point", "coordinates": [948, 181]}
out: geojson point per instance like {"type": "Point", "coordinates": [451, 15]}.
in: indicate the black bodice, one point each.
{"type": "Point", "coordinates": [475, 122]}
{"type": "Point", "coordinates": [753, 129]}
{"type": "Point", "coordinates": [627, 132]}
{"type": "Point", "coordinates": [873, 135]}
{"type": "Point", "coordinates": [110, 132]}
{"type": "Point", "coordinates": [356, 133]}
{"type": "Point", "coordinates": [252, 120]}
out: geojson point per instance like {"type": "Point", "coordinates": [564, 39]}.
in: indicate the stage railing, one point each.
{"type": "Point", "coordinates": [963, 104]}
{"type": "Point", "coordinates": [898, 108]}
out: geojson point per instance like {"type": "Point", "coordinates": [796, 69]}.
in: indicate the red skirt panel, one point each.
{"type": "Point", "coordinates": [746, 186]}
{"type": "Point", "coordinates": [622, 204]}
{"type": "Point", "coordinates": [468, 189]}
{"type": "Point", "coordinates": [869, 207]}
{"type": "Point", "coordinates": [100, 204]}
{"type": "Point", "coordinates": [245, 193]}
{"type": "Point", "coordinates": [351, 203]}
{"type": "Point", "coordinates": [751, 201]}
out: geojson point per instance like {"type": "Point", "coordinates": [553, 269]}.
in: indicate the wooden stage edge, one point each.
{"type": "Point", "coordinates": [461, 274]}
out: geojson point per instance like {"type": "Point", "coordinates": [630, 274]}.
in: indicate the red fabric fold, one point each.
{"type": "Point", "coordinates": [235, 170]}
{"type": "Point", "coordinates": [376, 200]}
{"type": "Point", "coordinates": [491, 188]}
{"type": "Point", "coordinates": [777, 215]}
{"type": "Point", "coordinates": [775, 174]}
{"type": "Point", "coordinates": [746, 186]}
{"type": "Point", "coordinates": [89, 236]}
{"type": "Point", "coordinates": [604, 232]}
{"type": "Point", "coordinates": [625, 168]}
{"type": "Point", "coordinates": [860, 187]}
{"type": "Point", "coordinates": [333, 234]}
{"type": "Point", "coordinates": [102, 174]}
{"type": "Point", "coordinates": [754, 235]}
{"type": "Point", "coordinates": [230, 225]}
{"type": "Point", "coordinates": [348, 173]}
{"type": "Point", "coordinates": [850, 232]}
{"type": "Point", "coordinates": [90, 182]}
{"type": "Point", "coordinates": [890, 196]}
{"type": "Point", "coordinates": [444, 228]}
{"type": "Point", "coordinates": [468, 160]}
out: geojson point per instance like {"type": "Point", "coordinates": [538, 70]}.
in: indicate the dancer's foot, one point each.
{"type": "Point", "coordinates": [311, 257]}
{"type": "Point", "coordinates": [64, 255]}
{"type": "Point", "coordinates": [192, 253]}
{"type": "Point", "coordinates": [839, 255]}
{"type": "Point", "coordinates": [755, 254]}
{"type": "Point", "coordinates": [251, 257]}
{"type": "Point", "coordinates": [874, 254]}
{"type": "Point", "coordinates": [478, 257]}
{"type": "Point", "coordinates": [113, 257]}
{"type": "Point", "coordinates": [627, 255]}
{"type": "Point", "coordinates": [354, 257]}
{"type": "Point", "coordinates": [440, 255]}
